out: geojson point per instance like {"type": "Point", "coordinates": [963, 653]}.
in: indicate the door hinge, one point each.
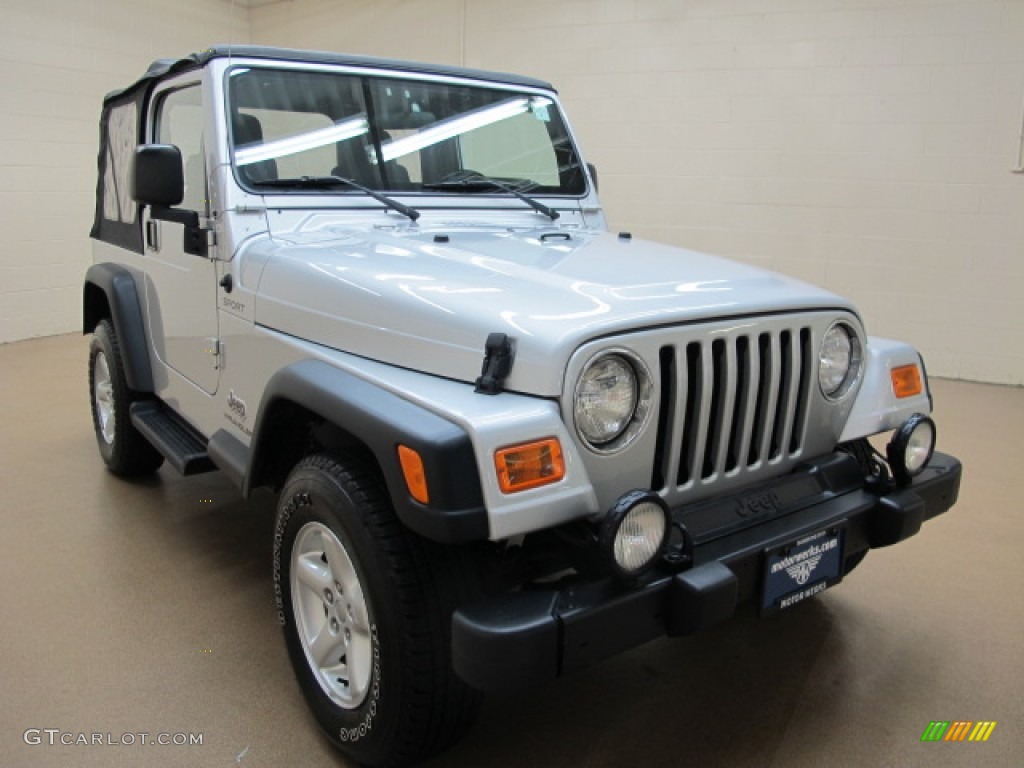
{"type": "Point", "coordinates": [215, 348]}
{"type": "Point", "coordinates": [152, 235]}
{"type": "Point", "coordinates": [207, 225]}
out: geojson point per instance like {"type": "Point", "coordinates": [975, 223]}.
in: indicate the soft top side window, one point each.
{"type": "Point", "coordinates": [116, 218]}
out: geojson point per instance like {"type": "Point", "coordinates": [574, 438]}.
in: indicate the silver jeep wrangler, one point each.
{"type": "Point", "coordinates": [507, 442]}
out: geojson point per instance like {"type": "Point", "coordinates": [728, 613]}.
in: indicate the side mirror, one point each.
{"type": "Point", "coordinates": [593, 175]}
{"type": "Point", "coordinates": [158, 180]}
{"type": "Point", "coordinates": [157, 175]}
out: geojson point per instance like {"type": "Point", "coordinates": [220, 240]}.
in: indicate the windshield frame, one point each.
{"type": "Point", "coordinates": [367, 75]}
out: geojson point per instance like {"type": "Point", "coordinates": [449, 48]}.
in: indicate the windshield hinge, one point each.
{"type": "Point", "coordinates": [498, 357]}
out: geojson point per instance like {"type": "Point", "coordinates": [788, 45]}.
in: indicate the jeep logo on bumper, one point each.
{"type": "Point", "coordinates": [754, 506]}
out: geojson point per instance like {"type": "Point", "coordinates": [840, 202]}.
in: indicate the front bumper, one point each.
{"type": "Point", "coordinates": [524, 638]}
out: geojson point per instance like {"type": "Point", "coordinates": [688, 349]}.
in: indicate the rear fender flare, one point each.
{"type": "Point", "coordinates": [109, 292]}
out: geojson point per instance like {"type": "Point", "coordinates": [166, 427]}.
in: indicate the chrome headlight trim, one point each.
{"type": "Point", "coordinates": [636, 422]}
{"type": "Point", "coordinates": [836, 388]}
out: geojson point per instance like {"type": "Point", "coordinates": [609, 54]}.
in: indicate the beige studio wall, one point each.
{"type": "Point", "coordinates": [57, 60]}
{"type": "Point", "coordinates": [865, 145]}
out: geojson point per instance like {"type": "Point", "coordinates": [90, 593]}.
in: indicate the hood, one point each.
{"type": "Point", "coordinates": [427, 298]}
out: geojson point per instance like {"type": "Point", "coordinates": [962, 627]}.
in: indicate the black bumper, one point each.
{"type": "Point", "coordinates": [528, 637]}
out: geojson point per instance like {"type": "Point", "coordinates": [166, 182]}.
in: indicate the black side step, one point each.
{"type": "Point", "coordinates": [170, 434]}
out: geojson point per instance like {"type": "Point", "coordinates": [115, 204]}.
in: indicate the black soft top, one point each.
{"type": "Point", "coordinates": [162, 68]}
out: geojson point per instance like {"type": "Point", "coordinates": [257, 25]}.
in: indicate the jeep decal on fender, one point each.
{"type": "Point", "coordinates": [235, 414]}
{"type": "Point", "coordinates": [236, 404]}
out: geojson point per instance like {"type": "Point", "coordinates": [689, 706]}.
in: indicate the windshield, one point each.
{"type": "Point", "coordinates": [394, 135]}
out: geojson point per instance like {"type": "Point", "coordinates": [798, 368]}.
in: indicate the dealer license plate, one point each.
{"type": "Point", "coordinates": [802, 569]}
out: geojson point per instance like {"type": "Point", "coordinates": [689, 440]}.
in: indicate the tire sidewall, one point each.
{"type": "Point", "coordinates": [365, 731]}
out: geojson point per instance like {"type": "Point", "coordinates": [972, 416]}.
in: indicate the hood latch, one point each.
{"type": "Point", "coordinates": [498, 357]}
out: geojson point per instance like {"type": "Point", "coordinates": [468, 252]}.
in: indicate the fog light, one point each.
{"type": "Point", "coordinates": [911, 447]}
{"type": "Point", "coordinates": [634, 533]}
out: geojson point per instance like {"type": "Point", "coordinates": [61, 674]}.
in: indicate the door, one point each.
{"type": "Point", "coordinates": [181, 288]}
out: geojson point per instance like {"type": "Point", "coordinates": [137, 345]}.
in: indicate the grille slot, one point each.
{"type": "Point", "coordinates": [732, 404]}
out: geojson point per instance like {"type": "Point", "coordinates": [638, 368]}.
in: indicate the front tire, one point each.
{"type": "Point", "coordinates": [366, 608]}
{"type": "Point", "coordinates": [123, 448]}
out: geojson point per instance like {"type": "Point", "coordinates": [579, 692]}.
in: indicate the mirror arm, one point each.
{"type": "Point", "coordinates": [175, 215]}
{"type": "Point", "coordinates": [195, 241]}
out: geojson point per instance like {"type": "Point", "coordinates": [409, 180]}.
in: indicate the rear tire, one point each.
{"type": "Point", "coordinates": [123, 448]}
{"type": "Point", "coordinates": [366, 609]}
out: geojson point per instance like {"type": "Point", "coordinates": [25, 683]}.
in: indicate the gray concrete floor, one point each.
{"type": "Point", "coordinates": [147, 607]}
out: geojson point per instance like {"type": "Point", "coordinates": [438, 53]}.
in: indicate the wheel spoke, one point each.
{"type": "Point", "coordinates": [357, 603]}
{"type": "Point", "coordinates": [313, 572]}
{"type": "Point", "coordinates": [340, 565]}
{"type": "Point", "coordinates": [337, 672]}
{"type": "Point", "coordinates": [326, 648]}
{"type": "Point", "coordinates": [102, 370]}
{"type": "Point", "coordinates": [359, 658]}
{"type": "Point", "coordinates": [344, 573]}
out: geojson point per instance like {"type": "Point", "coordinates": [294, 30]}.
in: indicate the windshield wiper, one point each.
{"type": "Point", "coordinates": [326, 182]}
{"type": "Point", "coordinates": [472, 179]}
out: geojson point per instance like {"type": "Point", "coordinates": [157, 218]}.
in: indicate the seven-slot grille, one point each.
{"type": "Point", "coordinates": [731, 403]}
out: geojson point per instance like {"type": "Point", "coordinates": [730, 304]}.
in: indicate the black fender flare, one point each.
{"type": "Point", "coordinates": [381, 421]}
{"type": "Point", "coordinates": [122, 301]}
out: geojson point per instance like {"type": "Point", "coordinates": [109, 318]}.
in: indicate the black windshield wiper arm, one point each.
{"type": "Point", "coordinates": [326, 182]}
{"type": "Point", "coordinates": [479, 180]}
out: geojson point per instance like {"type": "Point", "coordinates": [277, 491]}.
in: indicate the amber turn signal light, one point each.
{"type": "Point", "coordinates": [529, 465]}
{"type": "Point", "coordinates": [906, 381]}
{"type": "Point", "coordinates": [415, 475]}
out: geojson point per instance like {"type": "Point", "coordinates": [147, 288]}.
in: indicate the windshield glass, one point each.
{"type": "Point", "coordinates": [394, 135]}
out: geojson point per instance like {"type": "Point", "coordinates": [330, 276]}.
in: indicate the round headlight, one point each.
{"type": "Point", "coordinates": [839, 361]}
{"type": "Point", "coordinates": [606, 399]}
{"type": "Point", "coordinates": [634, 533]}
{"type": "Point", "coordinates": [911, 447]}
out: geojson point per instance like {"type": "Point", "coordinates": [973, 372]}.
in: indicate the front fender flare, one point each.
{"type": "Point", "coordinates": [381, 420]}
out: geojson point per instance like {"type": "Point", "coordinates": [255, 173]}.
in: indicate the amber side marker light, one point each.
{"type": "Point", "coordinates": [906, 381]}
{"type": "Point", "coordinates": [415, 475]}
{"type": "Point", "coordinates": [529, 465]}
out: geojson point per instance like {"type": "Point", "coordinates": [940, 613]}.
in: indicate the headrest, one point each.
{"type": "Point", "coordinates": [247, 129]}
